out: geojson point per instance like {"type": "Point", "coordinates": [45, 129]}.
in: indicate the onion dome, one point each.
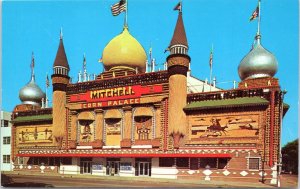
{"type": "Point", "coordinates": [258, 63]}
{"type": "Point", "coordinates": [31, 93]}
{"type": "Point", "coordinates": [124, 52]}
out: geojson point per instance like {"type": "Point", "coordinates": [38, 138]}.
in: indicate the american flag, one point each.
{"type": "Point", "coordinates": [47, 81]}
{"type": "Point", "coordinates": [255, 14]}
{"type": "Point", "coordinates": [32, 61]}
{"type": "Point", "coordinates": [178, 7]}
{"type": "Point", "coordinates": [119, 7]}
{"type": "Point", "coordinates": [211, 58]}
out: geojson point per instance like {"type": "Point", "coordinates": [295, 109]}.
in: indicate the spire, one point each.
{"type": "Point", "coordinates": [179, 39]}
{"type": "Point", "coordinates": [61, 58]}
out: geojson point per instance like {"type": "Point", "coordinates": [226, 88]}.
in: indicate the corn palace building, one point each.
{"type": "Point", "coordinates": [137, 123]}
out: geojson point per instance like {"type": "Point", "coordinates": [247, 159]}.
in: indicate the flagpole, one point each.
{"type": "Point", "coordinates": [258, 23]}
{"type": "Point", "coordinates": [46, 100]}
{"type": "Point", "coordinates": [126, 14]}
{"type": "Point", "coordinates": [211, 65]}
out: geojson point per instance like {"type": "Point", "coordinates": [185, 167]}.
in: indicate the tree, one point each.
{"type": "Point", "coordinates": [290, 157]}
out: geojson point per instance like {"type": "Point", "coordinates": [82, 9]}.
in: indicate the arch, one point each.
{"type": "Point", "coordinates": [143, 111]}
{"type": "Point", "coordinates": [113, 113]}
{"type": "Point", "coordinates": [86, 116]}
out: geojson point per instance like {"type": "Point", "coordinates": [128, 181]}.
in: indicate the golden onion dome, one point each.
{"type": "Point", "coordinates": [124, 52]}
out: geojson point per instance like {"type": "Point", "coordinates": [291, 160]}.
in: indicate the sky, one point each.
{"type": "Point", "coordinates": [34, 26]}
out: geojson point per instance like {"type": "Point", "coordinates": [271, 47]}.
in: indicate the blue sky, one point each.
{"type": "Point", "coordinates": [88, 26]}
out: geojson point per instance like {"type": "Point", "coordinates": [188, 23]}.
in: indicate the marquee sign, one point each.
{"type": "Point", "coordinates": [114, 96]}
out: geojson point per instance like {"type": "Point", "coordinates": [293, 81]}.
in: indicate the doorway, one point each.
{"type": "Point", "coordinates": [112, 168]}
{"type": "Point", "coordinates": [85, 167]}
{"type": "Point", "coordinates": [143, 167]}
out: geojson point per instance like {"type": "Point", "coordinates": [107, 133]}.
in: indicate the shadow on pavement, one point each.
{"type": "Point", "coordinates": [7, 181]}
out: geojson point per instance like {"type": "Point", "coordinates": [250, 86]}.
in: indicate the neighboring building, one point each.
{"type": "Point", "coordinates": [129, 122]}
{"type": "Point", "coordinates": [6, 163]}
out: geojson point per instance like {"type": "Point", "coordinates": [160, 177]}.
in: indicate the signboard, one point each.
{"type": "Point", "coordinates": [114, 96]}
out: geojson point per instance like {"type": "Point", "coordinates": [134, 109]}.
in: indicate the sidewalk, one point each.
{"type": "Point", "coordinates": [223, 184]}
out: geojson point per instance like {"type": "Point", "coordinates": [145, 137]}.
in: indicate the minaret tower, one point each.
{"type": "Point", "coordinates": [60, 79]}
{"type": "Point", "coordinates": [178, 64]}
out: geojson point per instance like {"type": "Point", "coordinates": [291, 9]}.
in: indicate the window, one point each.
{"type": "Point", "coordinates": [254, 163]}
{"type": "Point", "coordinates": [6, 140]}
{"type": "Point", "coordinates": [194, 163]}
{"type": "Point", "coordinates": [20, 160]}
{"type": "Point", "coordinates": [6, 158]}
{"type": "Point", "coordinates": [222, 163]}
{"type": "Point", "coordinates": [182, 162]}
{"type": "Point", "coordinates": [66, 161]}
{"type": "Point", "coordinates": [4, 123]}
{"type": "Point", "coordinates": [208, 163]}
{"type": "Point", "coordinates": [166, 162]}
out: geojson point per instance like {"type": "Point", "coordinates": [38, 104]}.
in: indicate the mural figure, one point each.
{"type": "Point", "coordinates": [215, 129]}
{"type": "Point", "coordinates": [86, 135]}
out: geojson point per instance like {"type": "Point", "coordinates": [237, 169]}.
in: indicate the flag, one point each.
{"type": "Point", "coordinates": [211, 58]}
{"type": "Point", "coordinates": [32, 61]}
{"type": "Point", "coordinates": [47, 81]}
{"type": "Point", "coordinates": [255, 14]}
{"type": "Point", "coordinates": [119, 7]}
{"type": "Point", "coordinates": [178, 7]}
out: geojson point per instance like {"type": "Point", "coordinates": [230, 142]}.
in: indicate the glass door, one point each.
{"type": "Point", "coordinates": [85, 167]}
{"type": "Point", "coordinates": [112, 168]}
{"type": "Point", "coordinates": [143, 169]}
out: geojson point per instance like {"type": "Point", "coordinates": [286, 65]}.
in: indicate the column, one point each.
{"type": "Point", "coordinates": [126, 140]}
{"type": "Point", "coordinates": [99, 124]}
{"type": "Point", "coordinates": [73, 129]}
{"type": "Point", "coordinates": [157, 131]}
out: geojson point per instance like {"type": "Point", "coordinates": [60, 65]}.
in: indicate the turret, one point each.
{"type": "Point", "coordinates": [178, 64]}
{"type": "Point", "coordinates": [60, 80]}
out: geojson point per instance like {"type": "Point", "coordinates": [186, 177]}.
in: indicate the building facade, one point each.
{"type": "Point", "coordinates": [6, 163]}
{"type": "Point", "coordinates": [129, 122]}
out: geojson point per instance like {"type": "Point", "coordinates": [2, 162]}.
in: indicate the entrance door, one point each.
{"type": "Point", "coordinates": [85, 167]}
{"type": "Point", "coordinates": [112, 168]}
{"type": "Point", "coordinates": [143, 169]}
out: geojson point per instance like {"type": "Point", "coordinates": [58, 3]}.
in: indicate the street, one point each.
{"type": "Point", "coordinates": [83, 181]}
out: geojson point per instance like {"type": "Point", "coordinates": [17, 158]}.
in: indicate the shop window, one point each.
{"type": "Point", "coordinates": [66, 161]}
{"type": "Point", "coordinates": [43, 161]}
{"type": "Point", "coordinates": [20, 160]}
{"type": "Point", "coordinates": [166, 162]}
{"type": "Point", "coordinates": [254, 163]}
{"type": "Point", "coordinates": [182, 162]}
{"type": "Point", "coordinates": [208, 163]}
{"type": "Point", "coordinates": [125, 166]}
{"type": "Point", "coordinates": [6, 140]}
{"type": "Point", "coordinates": [194, 163]}
{"type": "Point", "coordinates": [6, 158]}
{"type": "Point", "coordinates": [222, 163]}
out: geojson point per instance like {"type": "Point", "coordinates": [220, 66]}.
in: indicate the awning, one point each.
{"type": "Point", "coordinates": [114, 113]}
{"type": "Point", "coordinates": [143, 111]}
{"type": "Point", "coordinates": [196, 155]}
{"type": "Point", "coordinates": [33, 118]}
{"type": "Point", "coordinates": [86, 116]}
{"type": "Point", "coordinates": [227, 103]}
